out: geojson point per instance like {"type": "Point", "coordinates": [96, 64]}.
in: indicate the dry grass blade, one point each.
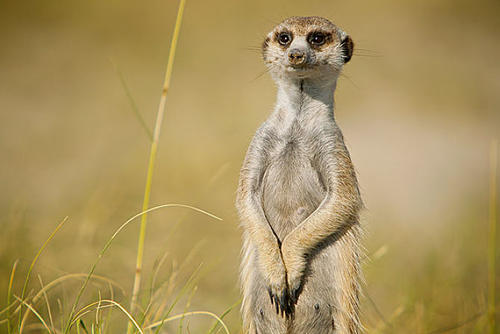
{"type": "Point", "coordinates": [35, 313]}
{"type": "Point", "coordinates": [185, 288]}
{"type": "Point", "coordinates": [58, 281]}
{"type": "Point", "coordinates": [186, 307]}
{"type": "Point", "coordinates": [112, 303]}
{"type": "Point", "coordinates": [383, 326]}
{"type": "Point", "coordinates": [47, 303]}
{"type": "Point", "coordinates": [379, 313]}
{"type": "Point", "coordinates": [152, 158]}
{"type": "Point", "coordinates": [87, 310]}
{"type": "Point", "coordinates": [457, 326]}
{"type": "Point", "coordinates": [180, 316]}
{"type": "Point", "coordinates": [36, 259]}
{"type": "Point", "coordinates": [108, 316]}
{"type": "Point", "coordinates": [7, 308]}
{"type": "Point", "coordinates": [9, 294]}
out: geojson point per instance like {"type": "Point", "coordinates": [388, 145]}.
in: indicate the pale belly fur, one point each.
{"type": "Point", "coordinates": [291, 191]}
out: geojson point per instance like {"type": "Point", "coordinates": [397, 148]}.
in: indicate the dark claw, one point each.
{"type": "Point", "coordinates": [287, 307]}
{"type": "Point", "coordinates": [284, 301]}
{"type": "Point", "coordinates": [295, 295]}
{"type": "Point", "coordinates": [277, 304]}
{"type": "Point", "coordinates": [290, 307]}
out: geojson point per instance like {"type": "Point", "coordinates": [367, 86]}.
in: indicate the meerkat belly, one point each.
{"type": "Point", "coordinates": [291, 190]}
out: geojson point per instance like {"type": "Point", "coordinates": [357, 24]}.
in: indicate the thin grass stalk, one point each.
{"type": "Point", "coordinates": [108, 316]}
{"type": "Point", "coordinates": [152, 159]}
{"type": "Point", "coordinates": [191, 281]}
{"type": "Point", "coordinates": [186, 307]}
{"type": "Point", "coordinates": [8, 308]}
{"type": "Point", "coordinates": [226, 312]}
{"type": "Point", "coordinates": [180, 316]}
{"type": "Point", "coordinates": [21, 326]}
{"type": "Point", "coordinates": [34, 262]}
{"type": "Point", "coordinates": [9, 294]}
{"type": "Point", "coordinates": [133, 105]}
{"type": "Point", "coordinates": [47, 303]}
{"type": "Point", "coordinates": [62, 279]}
{"type": "Point", "coordinates": [492, 238]}
{"type": "Point", "coordinates": [113, 303]}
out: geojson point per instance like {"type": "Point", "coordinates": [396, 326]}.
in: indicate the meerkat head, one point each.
{"type": "Point", "coordinates": [306, 47]}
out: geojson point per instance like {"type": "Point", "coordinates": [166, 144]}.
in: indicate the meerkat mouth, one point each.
{"type": "Point", "coordinates": [302, 71]}
{"type": "Point", "coordinates": [300, 68]}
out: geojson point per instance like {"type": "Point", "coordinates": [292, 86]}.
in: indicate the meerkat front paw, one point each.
{"type": "Point", "coordinates": [279, 296]}
{"type": "Point", "coordinates": [274, 273]}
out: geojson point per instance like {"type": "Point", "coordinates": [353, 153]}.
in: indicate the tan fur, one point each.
{"type": "Point", "coordinates": [298, 198]}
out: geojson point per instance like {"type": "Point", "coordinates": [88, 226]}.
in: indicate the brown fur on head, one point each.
{"type": "Point", "coordinates": [304, 46]}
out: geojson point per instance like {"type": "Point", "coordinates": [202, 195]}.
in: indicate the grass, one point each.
{"type": "Point", "coordinates": [492, 249]}
{"type": "Point", "coordinates": [152, 159]}
{"type": "Point", "coordinates": [27, 305]}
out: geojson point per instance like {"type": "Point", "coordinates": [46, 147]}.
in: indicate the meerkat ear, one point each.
{"type": "Point", "coordinates": [347, 48]}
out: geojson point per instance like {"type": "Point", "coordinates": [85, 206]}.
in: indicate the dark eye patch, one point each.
{"type": "Point", "coordinates": [284, 38]}
{"type": "Point", "coordinates": [318, 38]}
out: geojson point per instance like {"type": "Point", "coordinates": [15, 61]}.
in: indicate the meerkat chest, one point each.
{"type": "Point", "coordinates": [291, 185]}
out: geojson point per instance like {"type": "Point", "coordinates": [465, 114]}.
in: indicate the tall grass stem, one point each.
{"type": "Point", "coordinates": [492, 237]}
{"type": "Point", "coordinates": [152, 159]}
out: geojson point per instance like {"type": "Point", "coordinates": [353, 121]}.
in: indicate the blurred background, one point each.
{"type": "Point", "coordinates": [418, 105]}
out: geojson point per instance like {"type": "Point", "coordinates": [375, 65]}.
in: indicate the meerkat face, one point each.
{"type": "Point", "coordinates": [302, 47]}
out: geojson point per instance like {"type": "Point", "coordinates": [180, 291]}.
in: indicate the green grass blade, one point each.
{"type": "Point", "coordinates": [492, 238]}
{"type": "Point", "coordinates": [111, 303]}
{"type": "Point", "coordinates": [9, 294]}
{"type": "Point", "coordinates": [226, 312]}
{"type": "Point", "coordinates": [179, 316]}
{"type": "Point", "coordinates": [133, 105]}
{"type": "Point", "coordinates": [35, 260]}
{"type": "Point", "coordinates": [35, 313]}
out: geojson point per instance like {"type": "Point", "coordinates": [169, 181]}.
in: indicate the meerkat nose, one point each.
{"type": "Point", "coordinates": [296, 56]}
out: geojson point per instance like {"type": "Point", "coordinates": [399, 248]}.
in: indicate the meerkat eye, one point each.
{"type": "Point", "coordinates": [317, 38]}
{"type": "Point", "coordinates": [284, 38]}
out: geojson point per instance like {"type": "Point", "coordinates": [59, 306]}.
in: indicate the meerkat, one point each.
{"type": "Point", "coordinates": [298, 199]}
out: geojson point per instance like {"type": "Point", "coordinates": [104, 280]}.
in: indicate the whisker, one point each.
{"type": "Point", "coordinates": [350, 80]}
{"type": "Point", "coordinates": [253, 49]}
{"type": "Point", "coordinates": [367, 52]}
{"type": "Point", "coordinates": [366, 55]}
{"type": "Point", "coordinates": [260, 75]}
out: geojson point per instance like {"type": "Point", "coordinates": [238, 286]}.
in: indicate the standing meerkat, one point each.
{"type": "Point", "coordinates": [298, 198]}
